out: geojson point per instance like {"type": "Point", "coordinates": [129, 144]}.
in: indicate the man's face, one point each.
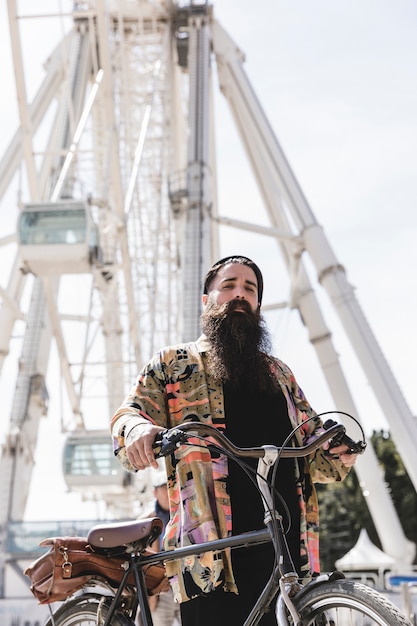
{"type": "Point", "coordinates": [233, 325]}
{"type": "Point", "coordinates": [233, 282]}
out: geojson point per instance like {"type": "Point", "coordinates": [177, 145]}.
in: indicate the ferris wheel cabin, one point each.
{"type": "Point", "coordinates": [89, 462]}
{"type": "Point", "coordinates": [57, 238]}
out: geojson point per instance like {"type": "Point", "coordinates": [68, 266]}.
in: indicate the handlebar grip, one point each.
{"type": "Point", "coordinates": [341, 438]}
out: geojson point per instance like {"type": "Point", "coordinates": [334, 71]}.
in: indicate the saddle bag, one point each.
{"type": "Point", "coordinates": [71, 563]}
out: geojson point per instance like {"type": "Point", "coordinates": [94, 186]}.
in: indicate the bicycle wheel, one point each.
{"type": "Point", "coordinates": [347, 603]}
{"type": "Point", "coordinates": [83, 610]}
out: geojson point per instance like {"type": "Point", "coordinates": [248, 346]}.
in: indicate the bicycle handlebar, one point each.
{"type": "Point", "coordinates": [168, 440]}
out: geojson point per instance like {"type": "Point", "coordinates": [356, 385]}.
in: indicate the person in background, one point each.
{"type": "Point", "coordinates": [165, 612]}
{"type": "Point", "coordinates": [228, 379]}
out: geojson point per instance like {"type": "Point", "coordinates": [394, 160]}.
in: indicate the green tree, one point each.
{"type": "Point", "coordinates": [399, 484]}
{"type": "Point", "coordinates": [344, 512]}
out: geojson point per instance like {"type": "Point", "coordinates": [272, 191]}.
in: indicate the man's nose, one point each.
{"type": "Point", "coordinates": [240, 293]}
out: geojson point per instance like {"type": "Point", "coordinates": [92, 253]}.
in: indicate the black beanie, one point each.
{"type": "Point", "coordinates": [236, 258]}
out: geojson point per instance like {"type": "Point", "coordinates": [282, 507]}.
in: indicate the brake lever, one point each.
{"type": "Point", "coordinates": [342, 439]}
{"type": "Point", "coordinates": [166, 441]}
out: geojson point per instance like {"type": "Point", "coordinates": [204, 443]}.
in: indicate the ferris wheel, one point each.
{"type": "Point", "coordinates": [113, 178]}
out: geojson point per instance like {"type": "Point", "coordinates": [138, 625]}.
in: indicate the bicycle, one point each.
{"type": "Point", "coordinates": [327, 600]}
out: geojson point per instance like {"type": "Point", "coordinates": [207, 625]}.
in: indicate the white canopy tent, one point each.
{"type": "Point", "coordinates": [365, 556]}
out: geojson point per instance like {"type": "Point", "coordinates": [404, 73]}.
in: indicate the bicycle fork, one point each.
{"type": "Point", "coordinates": [285, 604]}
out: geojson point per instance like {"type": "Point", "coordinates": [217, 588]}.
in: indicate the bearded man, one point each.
{"type": "Point", "coordinates": [228, 379]}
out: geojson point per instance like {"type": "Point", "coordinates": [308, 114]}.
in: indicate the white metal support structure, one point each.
{"type": "Point", "coordinates": [198, 228]}
{"type": "Point", "coordinates": [127, 98]}
{"type": "Point", "coordinates": [285, 201]}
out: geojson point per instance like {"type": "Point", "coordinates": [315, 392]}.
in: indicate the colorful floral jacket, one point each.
{"type": "Point", "coordinates": [174, 387]}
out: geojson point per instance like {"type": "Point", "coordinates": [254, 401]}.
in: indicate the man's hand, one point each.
{"type": "Point", "coordinates": [347, 459]}
{"type": "Point", "coordinates": [340, 452]}
{"type": "Point", "coordinates": [139, 446]}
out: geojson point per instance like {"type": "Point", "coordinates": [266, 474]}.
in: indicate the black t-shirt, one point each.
{"type": "Point", "coordinates": [255, 419]}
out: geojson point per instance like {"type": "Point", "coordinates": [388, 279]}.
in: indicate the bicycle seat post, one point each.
{"type": "Point", "coordinates": [142, 593]}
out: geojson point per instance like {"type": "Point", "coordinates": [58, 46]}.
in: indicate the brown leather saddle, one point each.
{"type": "Point", "coordinates": [115, 534]}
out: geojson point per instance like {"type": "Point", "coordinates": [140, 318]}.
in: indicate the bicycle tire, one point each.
{"type": "Point", "coordinates": [347, 603]}
{"type": "Point", "coordinates": [82, 611]}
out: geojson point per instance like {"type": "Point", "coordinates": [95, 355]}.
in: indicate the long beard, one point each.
{"type": "Point", "coordinates": [239, 344]}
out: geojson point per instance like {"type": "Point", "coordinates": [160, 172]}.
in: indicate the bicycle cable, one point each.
{"type": "Point", "coordinates": [252, 474]}
{"type": "Point", "coordinates": [278, 534]}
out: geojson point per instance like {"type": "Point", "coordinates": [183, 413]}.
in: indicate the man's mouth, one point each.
{"type": "Point", "coordinates": [239, 306]}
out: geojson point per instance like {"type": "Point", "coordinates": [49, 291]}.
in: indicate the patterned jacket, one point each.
{"type": "Point", "coordinates": [174, 387]}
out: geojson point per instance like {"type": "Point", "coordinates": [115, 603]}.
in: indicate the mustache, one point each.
{"type": "Point", "coordinates": [221, 311]}
{"type": "Point", "coordinates": [244, 305]}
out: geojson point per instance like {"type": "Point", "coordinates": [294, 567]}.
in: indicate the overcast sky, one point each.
{"type": "Point", "coordinates": [338, 82]}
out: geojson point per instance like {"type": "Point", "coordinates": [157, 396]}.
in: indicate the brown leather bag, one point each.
{"type": "Point", "coordinates": [71, 563]}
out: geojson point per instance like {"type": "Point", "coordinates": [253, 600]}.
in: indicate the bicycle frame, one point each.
{"type": "Point", "coordinates": [283, 583]}
{"type": "Point", "coordinates": [139, 562]}
{"type": "Point", "coordinates": [283, 578]}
